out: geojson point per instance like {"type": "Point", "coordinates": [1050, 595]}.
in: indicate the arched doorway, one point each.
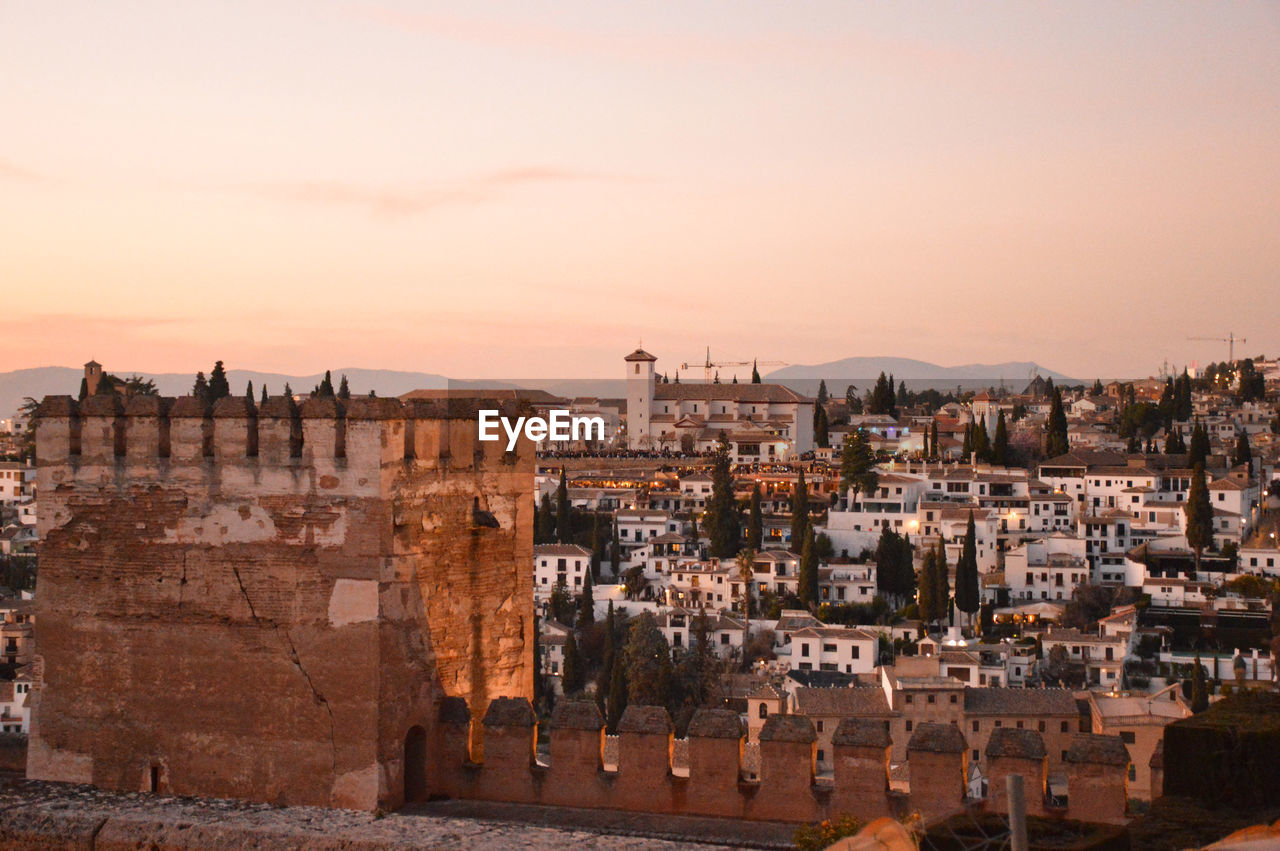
{"type": "Point", "coordinates": [415, 765]}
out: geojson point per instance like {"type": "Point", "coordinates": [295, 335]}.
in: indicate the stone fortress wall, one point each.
{"type": "Point", "coordinates": [787, 789]}
{"type": "Point", "coordinates": [270, 603]}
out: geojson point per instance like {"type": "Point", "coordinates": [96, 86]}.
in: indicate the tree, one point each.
{"type": "Point", "coordinates": [821, 428]}
{"type": "Point", "coordinates": [617, 702]}
{"type": "Point", "coordinates": [574, 675]}
{"type": "Point", "coordinates": [858, 466]}
{"type": "Point", "coordinates": [810, 590]}
{"type": "Point", "coordinates": [1055, 440]}
{"type": "Point", "coordinates": [722, 511]}
{"type": "Point", "coordinates": [605, 677]}
{"type": "Point", "coordinates": [1173, 442]}
{"type": "Point", "coordinates": [933, 440]}
{"type": "Point", "coordinates": [1244, 453]}
{"type": "Point", "coordinates": [544, 528]}
{"type": "Point", "coordinates": [634, 581]}
{"type": "Point", "coordinates": [561, 606]}
{"type": "Point", "coordinates": [1097, 388]}
{"type": "Point", "coordinates": [822, 392]}
{"type": "Point", "coordinates": [263, 400]}
{"type": "Point", "coordinates": [746, 575]}
{"type": "Point", "coordinates": [248, 394]}
{"type": "Point", "coordinates": [647, 658]}
{"type": "Point", "coordinates": [1199, 514]}
{"type": "Point", "coordinates": [881, 400]}
{"type": "Point", "coordinates": [941, 582]}
{"type": "Point", "coordinates": [890, 551]}
{"type": "Point", "coordinates": [981, 441]}
{"type": "Point", "coordinates": [218, 386]}
{"type": "Point", "coordinates": [564, 527]}
{"type": "Point", "coordinates": [539, 684]}
{"type": "Point", "coordinates": [1000, 446]}
{"type": "Point", "coordinates": [586, 604]}
{"type": "Point", "coordinates": [200, 389]}
{"type": "Point", "coordinates": [344, 390]}
{"type": "Point", "coordinates": [927, 586]}
{"type": "Point", "coordinates": [755, 374]}
{"type": "Point", "coordinates": [136, 385]}
{"type": "Point", "coordinates": [1199, 688]}
{"type": "Point", "coordinates": [755, 522]}
{"type": "Point", "coordinates": [597, 546]}
{"type": "Point", "coordinates": [1198, 448]}
{"type": "Point", "coordinates": [325, 388]}
{"type": "Point", "coordinates": [799, 510]}
{"type": "Point", "coordinates": [968, 592]}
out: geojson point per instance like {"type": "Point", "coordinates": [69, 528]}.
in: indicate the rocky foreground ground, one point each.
{"type": "Point", "coordinates": [53, 815]}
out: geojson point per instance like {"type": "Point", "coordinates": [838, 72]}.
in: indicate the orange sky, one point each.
{"type": "Point", "coordinates": [529, 189]}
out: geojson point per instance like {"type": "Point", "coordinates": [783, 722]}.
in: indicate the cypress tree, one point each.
{"type": "Point", "coordinates": [201, 388]}
{"type": "Point", "coordinates": [539, 687]}
{"type": "Point", "coordinates": [982, 441]}
{"type": "Point", "coordinates": [1056, 442]}
{"type": "Point", "coordinates": [755, 526]}
{"type": "Point", "coordinates": [573, 675]}
{"type": "Point", "coordinates": [586, 604]}
{"type": "Point", "coordinates": [968, 592]}
{"type": "Point", "coordinates": [941, 582]}
{"type": "Point", "coordinates": [617, 702]}
{"type": "Point", "coordinates": [597, 546]}
{"type": "Point", "coordinates": [755, 374]}
{"type": "Point", "coordinates": [248, 393]}
{"type": "Point", "coordinates": [1199, 688]}
{"type": "Point", "coordinates": [1173, 442]}
{"type": "Point", "coordinates": [263, 401]}
{"type": "Point", "coordinates": [1199, 514]}
{"type": "Point", "coordinates": [564, 528]}
{"type": "Point", "coordinates": [810, 591]}
{"type": "Point", "coordinates": [966, 449]}
{"type": "Point", "coordinates": [933, 439]}
{"type": "Point", "coordinates": [544, 530]}
{"type": "Point", "coordinates": [722, 513]}
{"type": "Point", "coordinates": [1244, 453]}
{"type": "Point", "coordinates": [325, 388]}
{"type": "Point", "coordinates": [799, 510]}
{"type": "Point", "coordinates": [1000, 446]}
{"type": "Point", "coordinates": [1198, 450]}
{"type": "Point", "coordinates": [821, 430]}
{"type": "Point", "coordinates": [218, 386]}
{"type": "Point", "coordinates": [926, 587]}
{"type": "Point", "coordinates": [344, 390]}
{"type": "Point", "coordinates": [822, 392]}
{"type": "Point", "coordinates": [887, 562]}
{"type": "Point", "coordinates": [605, 677]}
{"type": "Point", "coordinates": [84, 388]}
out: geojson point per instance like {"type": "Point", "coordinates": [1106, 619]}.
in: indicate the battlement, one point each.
{"type": "Point", "coordinates": [787, 789]}
{"type": "Point", "coordinates": [108, 430]}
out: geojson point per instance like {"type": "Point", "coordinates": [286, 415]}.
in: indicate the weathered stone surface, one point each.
{"type": "Point", "coordinates": [716, 724]}
{"type": "Point", "coordinates": [861, 733]}
{"type": "Point", "coordinates": [1019, 744]}
{"type": "Point", "coordinates": [271, 625]}
{"type": "Point", "coordinates": [788, 728]}
{"type": "Point", "coordinates": [576, 715]}
{"type": "Point", "coordinates": [1089, 748]}
{"type": "Point", "coordinates": [645, 719]}
{"type": "Point", "coordinates": [510, 712]}
{"type": "Point", "coordinates": [937, 738]}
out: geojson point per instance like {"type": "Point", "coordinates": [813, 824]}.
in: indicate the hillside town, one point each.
{"type": "Point", "coordinates": [1064, 559]}
{"type": "Point", "coordinates": [1098, 558]}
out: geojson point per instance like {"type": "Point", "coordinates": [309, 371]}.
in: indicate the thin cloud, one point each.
{"type": "Point", "coordinates": [402, 202]}
{"type": "Point", "coordinates": [10, 170]}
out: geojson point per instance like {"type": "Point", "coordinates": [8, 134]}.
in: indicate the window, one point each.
{"type": "Point", "coordinates": [909, 698]}
{"type": "Point", "coordinates": [764, 711]}
{"type": "Point", "coordinates": [975, 726]}
{"type": "Point", "coordinates": [822, 756]}
{"type": "Point", "coordinates": [955, 698]}
{"type": "Point", "coordinates": [932, 699]}
{"type": "Point", "coordinates": [975, 754]}
{"type": "Point", "coordinates": [819, 730]}
{"type": "Point", "coordinates": [804, 648]}
{"type": "Point", "coordinates": [908, 726]}
{"type": "Point", "coordinates": [1041, 726]}
{"type": "Point", "coordinates": [1019, 725]}
{"type": "Point", "coordinates": [1065, 728]}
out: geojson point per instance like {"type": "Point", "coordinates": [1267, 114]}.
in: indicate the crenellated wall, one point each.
{"type": "Point", "coordinates": [271, 603]}
{"type": "Point", "coordinates": [787, 789]}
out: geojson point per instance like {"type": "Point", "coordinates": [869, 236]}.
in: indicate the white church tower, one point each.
{"type": "Point", "coordinates": [639, 398]}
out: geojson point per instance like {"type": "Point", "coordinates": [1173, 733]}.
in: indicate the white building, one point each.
{"type": "Point", "coordinates": [553, 563]}
{"type": "Point", "coordinates": [768, 422]}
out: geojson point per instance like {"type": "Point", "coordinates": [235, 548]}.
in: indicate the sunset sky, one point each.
{"type": "Point", "coordinates": [531, 188]}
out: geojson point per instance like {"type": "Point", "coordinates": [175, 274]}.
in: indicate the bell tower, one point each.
{"type": "Point", "coordinates": [639, 398]}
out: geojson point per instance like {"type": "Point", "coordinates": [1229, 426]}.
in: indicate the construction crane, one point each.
{"type": "Point", "coordinates": [708, 364]}
{"type": "Point", "coordinates": [1230, 340]}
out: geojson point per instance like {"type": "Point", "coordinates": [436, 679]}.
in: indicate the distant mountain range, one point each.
{"type": "Point", "coordinates": [862, 369]}
{"type": "Point", "coordinates": [861, 372]}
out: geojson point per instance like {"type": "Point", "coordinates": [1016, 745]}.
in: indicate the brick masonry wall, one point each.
{"type": "Point", "coordinates": [265, 626]}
